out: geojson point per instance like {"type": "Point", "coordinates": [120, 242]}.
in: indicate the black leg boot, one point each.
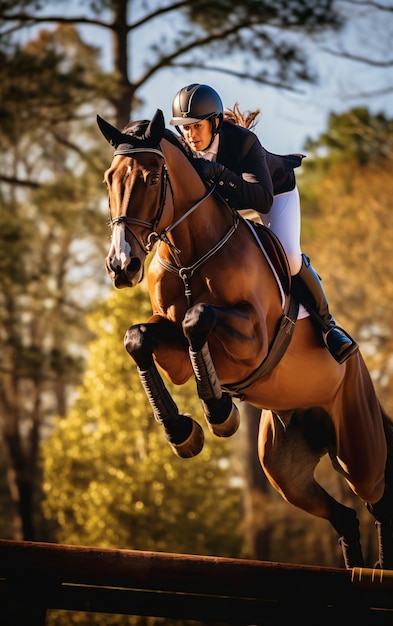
{"type": "Point", "coordinates": [307, 287]}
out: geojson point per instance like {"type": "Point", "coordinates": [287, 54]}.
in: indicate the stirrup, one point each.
{"type": "Point", "coordinates": [340, 355]}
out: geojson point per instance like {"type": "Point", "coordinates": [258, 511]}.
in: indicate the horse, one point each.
{"type": "Point", "coordinates": [223, 313]}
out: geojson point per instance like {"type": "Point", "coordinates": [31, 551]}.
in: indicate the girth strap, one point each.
{"type": "Point", "coordinates": [277, 350]}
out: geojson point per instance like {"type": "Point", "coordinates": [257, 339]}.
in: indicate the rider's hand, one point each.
{"type": "Point", "coordinates": [208, 170]}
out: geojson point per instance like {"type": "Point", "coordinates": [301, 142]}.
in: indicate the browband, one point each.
{"type": "Point", "coordinates": [128, 150]}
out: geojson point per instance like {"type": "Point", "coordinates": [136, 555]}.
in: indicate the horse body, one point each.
{"type": "Point", "coordinates": [216, 306]}
{"type": "Point", "coordinates": [247, 304]}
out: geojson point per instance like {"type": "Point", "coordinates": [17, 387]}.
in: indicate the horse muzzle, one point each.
{"type": "Point", "coordinates": [124, 265]}
{"type": "Point", "coordinates": [127, 275]}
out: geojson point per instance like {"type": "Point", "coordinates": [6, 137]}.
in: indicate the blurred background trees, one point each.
{"type": "Point", "coordinates": [51, 236]}
{"type": "Point", "coordinates": [346, 202]}
{"type": "Point", "coordinates": [82, 460]}
{"type": "Point", "coordinates": [193, 33]}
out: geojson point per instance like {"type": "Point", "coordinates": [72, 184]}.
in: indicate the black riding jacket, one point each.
{"type": "Point", "coordinates": [252, 175]}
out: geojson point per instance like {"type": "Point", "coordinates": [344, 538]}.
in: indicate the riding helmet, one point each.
{"type": "Point", "coordinates": [194, 103]}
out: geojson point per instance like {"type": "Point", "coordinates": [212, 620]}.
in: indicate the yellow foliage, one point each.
{"type": "Point", "coordinates": [347, 232]}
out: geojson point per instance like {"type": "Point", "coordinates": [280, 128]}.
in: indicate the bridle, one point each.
{"type": "Point", "coordinates": [183, 272]}
{"type": "Point", "coordinates": [152, 226]}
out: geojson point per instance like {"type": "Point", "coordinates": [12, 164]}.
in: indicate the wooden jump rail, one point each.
{"type": "Point", "coordinates": [36, 577]}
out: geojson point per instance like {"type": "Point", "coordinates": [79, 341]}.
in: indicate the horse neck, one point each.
{"type": "Point", "coordinates": [204, 226]}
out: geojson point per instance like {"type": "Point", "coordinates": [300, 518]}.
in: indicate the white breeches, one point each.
{"type": "Point", "coordinates": [284, 220]}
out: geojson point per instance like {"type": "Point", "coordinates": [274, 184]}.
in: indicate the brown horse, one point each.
{"type": "Point", "coordinates": [221, 314]}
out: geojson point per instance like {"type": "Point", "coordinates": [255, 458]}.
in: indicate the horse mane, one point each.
{"type": "Point", "coordinates": [178, 142]}
{"type": "Point", "coordinates": [247, 119]}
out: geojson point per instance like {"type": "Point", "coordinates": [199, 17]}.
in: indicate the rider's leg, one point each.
{"type": "Point", "coordinates": [307, 286]}
{"type": "Point", "coordinates": [284, 221]}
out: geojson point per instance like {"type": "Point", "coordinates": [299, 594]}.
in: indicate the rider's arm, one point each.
{"type": "Point", "coordinates": [252, 188]}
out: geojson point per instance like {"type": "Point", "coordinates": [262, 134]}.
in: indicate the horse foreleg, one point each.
{"type": "Point", "coordinates": [221, 413]}
{"type": "Point", "coordinates": [182, 432]}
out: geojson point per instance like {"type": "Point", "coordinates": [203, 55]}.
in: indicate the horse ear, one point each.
{"type": "Point", "coordinates": [111, 134]}
{"type": "Point", "coordinates": [155, 131]}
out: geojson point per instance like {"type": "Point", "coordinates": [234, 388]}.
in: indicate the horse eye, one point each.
{"type": "Point", "coordinates": [154, 179]}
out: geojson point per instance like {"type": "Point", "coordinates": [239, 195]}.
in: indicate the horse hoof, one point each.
{"type": "Point", "coordinates": [229, 426]}
{"type": "Point", "coordinates": [192, 445]}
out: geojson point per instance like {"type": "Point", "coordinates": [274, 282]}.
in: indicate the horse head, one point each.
{"type": "Point", "coordinates": [138, 202]}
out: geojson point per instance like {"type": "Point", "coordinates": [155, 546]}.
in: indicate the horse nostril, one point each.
{"type": "Point", "coordinates": [134, 265]}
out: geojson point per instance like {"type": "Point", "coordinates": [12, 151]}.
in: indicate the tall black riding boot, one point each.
{"type": "Point", "coordinates": [307, 287]}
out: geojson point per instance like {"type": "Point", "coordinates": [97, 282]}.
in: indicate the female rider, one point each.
{"type": "Point", "coordinates": [250, 177]}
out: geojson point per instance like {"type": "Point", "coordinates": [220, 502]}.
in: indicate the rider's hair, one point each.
{"type": "Point", "coordinates": [247, 119]}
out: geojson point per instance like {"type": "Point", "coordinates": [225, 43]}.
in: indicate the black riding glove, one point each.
{"type": "Point", "coordinates": [208, 170]}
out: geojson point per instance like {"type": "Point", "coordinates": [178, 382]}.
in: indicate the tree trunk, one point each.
{"type": "Point", "coordinates": [123, 99]}
{"type": "Point", "coordinates": [22, 452]}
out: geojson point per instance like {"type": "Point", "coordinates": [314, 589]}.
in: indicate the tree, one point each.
{"type": "Point", "coordinates": [47, 113]}
{"type": "Point", "coordinates": [262, 34]}
{"type": "Point", "coordinates": [356, 135]}
{"type": "Point", "coordinates": [373, 16]}
{"type": "Point", "coordinates": [49, 228]}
